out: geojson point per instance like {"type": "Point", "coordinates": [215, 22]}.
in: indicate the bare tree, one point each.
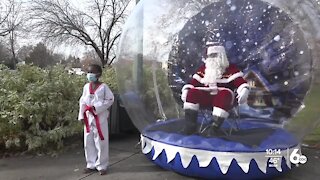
{"type": "Point", "coordinates": [14, 23]}
{"type": "Point", "coordinates": [11, 21]}
{"type": "Point", "coordinates": [5, 11]}
{"type": "Point", "coordinates": [97, 26]}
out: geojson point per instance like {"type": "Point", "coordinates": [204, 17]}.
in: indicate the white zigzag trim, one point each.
{"type": "Point", "coordinates": [204, 157]}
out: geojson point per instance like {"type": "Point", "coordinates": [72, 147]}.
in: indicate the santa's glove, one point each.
{"type": "Point", "coordinates": [243, 95]}
{"type": "Point", "coordinates": [184, 91]}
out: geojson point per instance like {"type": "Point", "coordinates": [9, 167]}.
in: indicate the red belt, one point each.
{"type": "Point", "coordinates": [89, 108]}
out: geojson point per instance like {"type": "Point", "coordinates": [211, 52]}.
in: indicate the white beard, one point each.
{"type": "Point", "coordinates": [215, 68]}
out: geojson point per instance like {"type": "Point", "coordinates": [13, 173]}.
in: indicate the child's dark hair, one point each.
{"type": "Point", "coordinates": [96, 66]}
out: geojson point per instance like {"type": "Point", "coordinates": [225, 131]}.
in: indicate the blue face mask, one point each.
{"type": "Point", "coordinates": [92, 77]}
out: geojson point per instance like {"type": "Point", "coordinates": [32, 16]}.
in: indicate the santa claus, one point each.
{"type": "Point", "coordinates": [213, 86]}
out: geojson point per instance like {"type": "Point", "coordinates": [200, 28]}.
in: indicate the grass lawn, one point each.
{"type": "Point", "coordinates": [307, 122]}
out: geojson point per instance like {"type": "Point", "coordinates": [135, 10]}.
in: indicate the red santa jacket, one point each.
{"type": "Point", "coordinates": [231, 79]}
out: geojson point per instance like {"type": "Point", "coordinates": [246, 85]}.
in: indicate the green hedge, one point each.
{"type": "Point", "coordinates": [109, 77]}
{"type": "Point", "coordinates": [39, 107]}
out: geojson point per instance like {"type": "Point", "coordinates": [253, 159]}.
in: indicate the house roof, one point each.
{"type": "Point", "coordinates": [262, 80]}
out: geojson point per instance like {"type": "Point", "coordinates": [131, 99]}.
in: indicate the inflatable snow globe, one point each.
{"type": "Point", "coordinates": [221, 88]}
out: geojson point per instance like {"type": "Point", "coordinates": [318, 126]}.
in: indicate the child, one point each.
{"type": "Point", "coordinates": [94, 103]}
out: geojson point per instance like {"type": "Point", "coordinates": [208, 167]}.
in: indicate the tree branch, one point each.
{"type": "Point", "coordinates": [57, 20]}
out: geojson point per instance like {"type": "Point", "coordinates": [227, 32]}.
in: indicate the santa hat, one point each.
{"type": "Point", "coordinates": [214, 47]}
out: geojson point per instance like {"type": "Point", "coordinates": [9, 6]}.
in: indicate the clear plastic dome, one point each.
{"type": "Point", "coordinates": [274, 43]}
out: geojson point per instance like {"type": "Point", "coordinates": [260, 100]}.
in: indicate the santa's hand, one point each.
{"type": "Point", "coordinates": [243, 95]}
{"type": "Point", "coordinates": [184, 91]}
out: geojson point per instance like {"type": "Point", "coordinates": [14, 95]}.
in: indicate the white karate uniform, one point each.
{"type": "Point", "coordinates": [96, 150]}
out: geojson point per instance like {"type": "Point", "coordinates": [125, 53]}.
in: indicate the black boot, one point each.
{"type": "Point", "coordinates": [214, 128]}
{"type": "Point", "coordinates": [217, 122]}
{"type": "Point", "coordinates": [190, 125]}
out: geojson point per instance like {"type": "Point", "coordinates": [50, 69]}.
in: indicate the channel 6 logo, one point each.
{"type": "Point", "coordinates": [296, 158]}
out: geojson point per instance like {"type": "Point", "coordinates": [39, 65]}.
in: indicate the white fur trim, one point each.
{"type": "Point", "coordinates": [191, 106]}
{"type": "Point", "coordinates": [224, 80]}
{"type": "Point", "coordinates": [215, 49]}
{"type": "Point", "coordinates": [231, 78]}
{"type": "Point", "coordinates": [244, 85]}
{"type": "Point", "coordinates": [187, 86]}
{"type": "Point", "coordinates": [204, 88]}
{"type": "Point", "coordinates": [204, 157]}
{"type": "Point", "coordinates": [197, 77]}
{"type": "Point", "coordinates": [210, 43]}
{"type": "Point", "coordinates": [219, 112]}
{"type": "Point", "coordinates": [184, 95]}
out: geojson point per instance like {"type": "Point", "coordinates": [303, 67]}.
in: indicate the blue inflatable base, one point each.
{"type": "Point", "coordinates": [213, 170]}
{"type": "Point", "coordinates": [278, 139]}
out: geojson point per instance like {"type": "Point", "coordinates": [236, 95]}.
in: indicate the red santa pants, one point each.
{"type": "Point", "coordinates": [224, 99]}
